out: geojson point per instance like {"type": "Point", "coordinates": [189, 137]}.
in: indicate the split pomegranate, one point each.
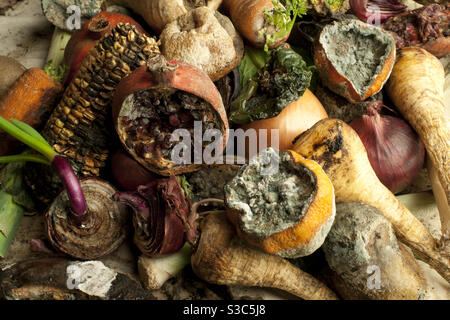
{"type": "Point", "coordinates": [157, 99]}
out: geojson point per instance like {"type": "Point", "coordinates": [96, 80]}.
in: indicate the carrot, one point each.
{"type": "Point", "coordinates": [251, 21]}
{"type": "Point", "coordinates": [416, 87]}
{"type": "Point", "coordinates": [339, 150]}
{"type": "Point", "coordinates": [30, 99]}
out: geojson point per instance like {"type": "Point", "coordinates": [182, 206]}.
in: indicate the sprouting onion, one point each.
{"type": "Point", "coordinates": [29, 136]}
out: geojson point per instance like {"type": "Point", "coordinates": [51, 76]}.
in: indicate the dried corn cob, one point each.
{"type": "Point", "coordinates": [79, 126]}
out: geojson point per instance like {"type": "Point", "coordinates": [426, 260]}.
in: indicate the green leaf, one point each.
{"type": "Point", "coordinates": [30, 141]}
{"type": "Point", "coordinates": [185, 185]}
{"type": "Point", "coordinates": [283, 79]}
{"type": "Point", "coordinates": [25, 158]}
{"type": "Point", "coordinates": [29, 130]}
{"type": "Point", "coordinates": [12, 182]}
{"type": "Point", "coordinates": [10, 216]}
{"type": "Point", "coordinates": [251, 63]}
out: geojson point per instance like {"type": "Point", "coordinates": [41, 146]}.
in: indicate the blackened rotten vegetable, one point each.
{"type": "Point", "coordinates": [157, 99]}
{"type": "Point", "coordinates": [78, 127]}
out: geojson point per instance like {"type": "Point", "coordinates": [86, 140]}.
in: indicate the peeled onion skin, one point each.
{"type": "Point", "coordinates": [395, 151]}
{"type": "Point", "coordinates": [296, 118]}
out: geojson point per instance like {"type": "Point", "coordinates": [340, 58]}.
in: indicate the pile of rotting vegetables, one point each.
{"type": "Point", "coordinates": [347, 158]}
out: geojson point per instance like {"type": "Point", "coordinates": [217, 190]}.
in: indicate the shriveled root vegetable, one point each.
{"type": "Point", "coordinates": [249, 18]}
{"type": "Point", "coordinates": [288, 211]}
{"type": "Point", "coordinates": [156, 100]}
{"type": "Point", "coordinates": [205, 39]}
{"type": "Point", "coordinates": [158, 13]}
{"type": "Point", "coordinates": [339, 151]}
{"type": "Point", "coordinates": [416, 87]}
{"type": "Point", "coordinates": [222, 258]}
{"type": "Point", "coordinates": [354, 59]}
{"type": "Point", "coordinates": [83, 221]}
{"type": "Point", "coordinates": [11, 71]}
{"type": "Point", "coordinates": [101, 233]}
{"type": "Point", "coordinates": [363, 251]}
{"type": "Point", "coordinates": [30, 99]}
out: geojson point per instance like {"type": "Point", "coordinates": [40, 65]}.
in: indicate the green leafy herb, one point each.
{"type": "Point", "coordinates": [282, 80]}
{"type": "Point", "coordinates": [251, 63]}
{"type": "Point", "coordinates": [282, 17]}
{"type": "Point", "coordinates": [55, 72]}
{"type": "Point", "coordinates": [186, 186]}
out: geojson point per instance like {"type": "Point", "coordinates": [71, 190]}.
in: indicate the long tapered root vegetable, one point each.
{"type": "Point", "coordinates": [340, 152]}
{"type": "Point", "coordinates": [416, 87]}
{"type": "Point", "coordinates": [222, 258]}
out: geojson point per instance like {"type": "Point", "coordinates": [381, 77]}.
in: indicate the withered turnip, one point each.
{"type": "Point", "coordinates": [154, 101]}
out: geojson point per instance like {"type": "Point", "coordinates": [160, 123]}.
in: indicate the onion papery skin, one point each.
{"type": "Point", "coordinates": [161, 216]}
{"type": "Point", "coordinates": [293, 120]}
{"type": "Point", "coordinates": [394, 149]}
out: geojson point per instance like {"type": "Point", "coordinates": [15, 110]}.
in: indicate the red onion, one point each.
{"type": "Point", "coordinates": [128, 173]}
{"type": "Point", "coordinates": [366, 10]}
{"type": "Point", "coordinates": [395, 151]}
{"type": "Point", "coordinates": [162, 219]}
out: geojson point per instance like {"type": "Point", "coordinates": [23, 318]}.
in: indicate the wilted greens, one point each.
{"type": "Point", "coordinates": [268, 88]}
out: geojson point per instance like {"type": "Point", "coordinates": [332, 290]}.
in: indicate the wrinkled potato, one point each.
{"type": "Point", "coordinates": [205, 39]}
{"type": "Point", "coordinates": [11, 71]}
{"type": "Point", "coordinates": [367, 259]}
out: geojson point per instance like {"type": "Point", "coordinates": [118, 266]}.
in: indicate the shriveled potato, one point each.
{"type": "Point", "coordinates": [203, 38]}
{"type": "Point", "coordinates": [368, 261]}
{"type": "Point", "coordinates": [11, 71]}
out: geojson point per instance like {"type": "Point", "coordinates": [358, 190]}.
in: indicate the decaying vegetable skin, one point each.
{"type": "Point", "coordinates": [339, 151]}
{"type": "Point", "coordinates": [159, 98]}
{"type": "Point", "coordinates": [221, 257]}
{"type": "Point", "coordinates": [161, 216]}
{"type": "Point", "coordinates": [104, 230]}
{"type": "Point", "coordinates": [354, 59]}
{"type": "Point", "coordinates": [288, 212]}
{"type": "Point", "coordinates": [427, 27]}
{"type": "Point", "coordinates": [77, 128]}
{"type": "Point", "coordinates": [56, 11]}
{"type": "Point", "coordinates": [205, 39]}
{"type": "Point", "coordinates": [416, 87]}
{"type": "Point", "coordinates": [361, 237]}
{"type": "Point", "coordinates": [158, 13]}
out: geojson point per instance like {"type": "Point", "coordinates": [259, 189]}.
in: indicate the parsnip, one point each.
{"type": "Point", "coordinates": [416, 87]}
{"type": "Point", "coordinates": [222, 258]}
{"type": "Point", "coordinates": [340, 152]}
